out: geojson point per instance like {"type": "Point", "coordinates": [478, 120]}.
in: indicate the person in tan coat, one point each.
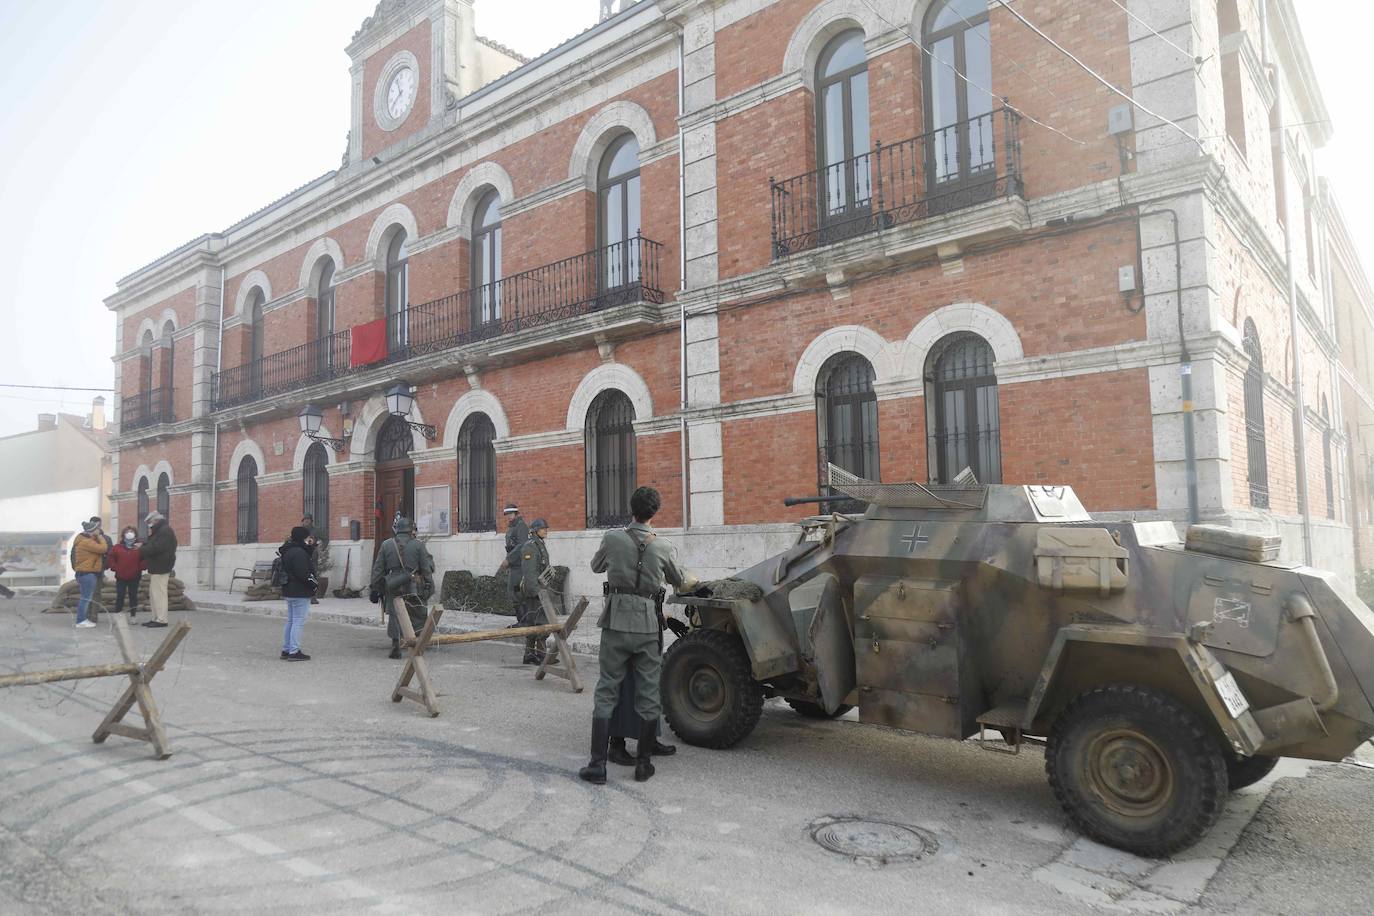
{"type": "Point", "coordinates": [88, 560]}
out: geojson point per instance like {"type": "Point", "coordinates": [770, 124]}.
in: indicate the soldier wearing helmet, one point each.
{"type": "Point", "coordinates": [532, 559]}
{"type": "Point", "coordinates": [403, 569]}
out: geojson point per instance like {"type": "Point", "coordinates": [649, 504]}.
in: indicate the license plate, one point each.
{"type": "Point", "coordinates": [1230, 695]}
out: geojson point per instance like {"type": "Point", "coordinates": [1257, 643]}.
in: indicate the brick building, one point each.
{"type": "Point", "coordinates": [713, 244]}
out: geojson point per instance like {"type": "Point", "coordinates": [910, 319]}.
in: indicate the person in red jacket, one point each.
{"type": "Point", "coordinates": [127, 564]}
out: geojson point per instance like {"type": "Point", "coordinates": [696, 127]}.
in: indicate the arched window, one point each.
{"type": "Point", "coordinates": [248, 501]}
{"type": "Point", "coordinates": [966, 426]}
{"type": "Point", "coordinates": [256, 341]}
{"type": "Point", "coordinates": [610, 450]}
{"type": "Point", "coordinates": [164, 496]}
{"type": "Point", "coordinates": [847, 418]}
{"type": "Point", "coordinates": [315, 483]}
{"type": "Point", "coordinates": [324, 319]}
{"type": "Point", "coordinates": [145, 363]}
{"type": "Point", "coordinates": [142, 508]}
{"type": "Point", "coordinates": [842, 141]}
{"type": "Point", "coordinates": [1232, 101]}
{"type": "Point", "coordinates": [477, 474]}
{"type": "Point", "coordinates": [395, 441]}
{"type": "Point", "coordinates": [1328, 461]}
{"type": "Point", "coordinates": [398, 291]}
{"type": "Point", "coordinates": [958, 100]}
{"type": "Point", "coordinates": [1255, 442]}
{"type": "Point", "coordinates": [486, 260]}
{"type": "Point", "coordinates": [618, 213]}
{"type": "Point", "coordinates": [167, 358]}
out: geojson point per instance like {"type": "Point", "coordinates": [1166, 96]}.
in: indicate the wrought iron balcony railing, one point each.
{"type": "Point", "coordinates": [964, 164]}
{"type": "Point", "coordinates": [317, 361]}
{"type": "Point", "coordinates": [613, 275]}
{"type": "Point", "coordinates": [145, 409]}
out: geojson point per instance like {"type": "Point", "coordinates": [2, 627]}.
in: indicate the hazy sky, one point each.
{"type": "Point", "coordinates": [129, 128]}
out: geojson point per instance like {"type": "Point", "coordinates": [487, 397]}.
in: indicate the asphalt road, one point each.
{"type": "Point", "coordinates": [299, 787]}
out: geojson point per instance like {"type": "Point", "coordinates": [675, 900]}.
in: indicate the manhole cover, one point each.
{"type": "Point", "coordinates": [874, 842]}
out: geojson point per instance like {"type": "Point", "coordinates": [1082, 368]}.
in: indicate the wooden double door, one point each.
{"type": "Point", "coordinates": [395, 493]}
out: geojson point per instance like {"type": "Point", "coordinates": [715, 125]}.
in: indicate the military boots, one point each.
{"type": "Point", "coordinates": [595, 770]}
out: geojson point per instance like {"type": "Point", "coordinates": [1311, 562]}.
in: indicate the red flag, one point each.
{"type": "Point", "coordinates": [369, 343]}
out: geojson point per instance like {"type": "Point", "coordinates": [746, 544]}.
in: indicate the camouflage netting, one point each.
{"type": "Point", "coordinates": [731, 589]}
{"type": "Point", "coordinates": [461, 590]}
{"type": "Point", "coordinates": [69, 595]}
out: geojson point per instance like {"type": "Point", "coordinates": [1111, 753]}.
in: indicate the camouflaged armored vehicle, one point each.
{"type": "Point", "coordinates": [1162, 674]}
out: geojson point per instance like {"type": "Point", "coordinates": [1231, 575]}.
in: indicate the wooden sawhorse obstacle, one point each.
{"type": "Point", "coordinates": [559, 662]}
{"type": "Point", "coordinates": [140, 676]}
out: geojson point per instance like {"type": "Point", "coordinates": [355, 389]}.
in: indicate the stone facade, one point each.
{"type": "Point", "coordinates": [740, 306]}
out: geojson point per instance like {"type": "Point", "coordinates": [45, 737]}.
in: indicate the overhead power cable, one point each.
{"type": "Point", "coordinates": [955, 70]}
{"type": "Point", "coordinates": [1197, 61]}
{"type": "Point", "coordinates": [52, 387]}
{"type": "Point", "coordinates": [1097, 76]}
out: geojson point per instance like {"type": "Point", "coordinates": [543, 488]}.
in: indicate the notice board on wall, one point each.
{"type": "Point", "coordinates": [432, 510]}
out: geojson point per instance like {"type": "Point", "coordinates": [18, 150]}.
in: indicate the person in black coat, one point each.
{"type": "Point", "coordinates": [297, 558]}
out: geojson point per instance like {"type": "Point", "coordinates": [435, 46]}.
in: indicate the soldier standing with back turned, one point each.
{"type": "Point", "coordinates": [403, 569]}
{"type": "Point", "coordinates": [637, 563]}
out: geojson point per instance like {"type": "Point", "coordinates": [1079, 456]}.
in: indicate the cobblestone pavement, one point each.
{"type": "Point", "coordinates": [299, 787]}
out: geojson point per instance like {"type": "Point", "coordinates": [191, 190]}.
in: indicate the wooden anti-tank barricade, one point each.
{"type": "Point", "coordinates": [559, 662]}
{"type": "Point", "coordinates": [138, 692]}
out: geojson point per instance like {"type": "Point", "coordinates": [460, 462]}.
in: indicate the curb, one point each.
{"type": "Point", "coordinates": [580, 644]}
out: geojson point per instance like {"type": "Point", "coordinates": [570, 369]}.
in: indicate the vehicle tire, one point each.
{"type": "Point", "coordinates": [1246, 771]}
{"type": "Point", "coordinates": [710, 697]}
{"type": "Point", "coordinates": [1136, 769]}
{"type": "Point", "coordinates": [816, 710]}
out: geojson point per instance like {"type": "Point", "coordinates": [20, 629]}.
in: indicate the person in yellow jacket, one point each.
{"type": "Point", "coordinates": [89, 562]}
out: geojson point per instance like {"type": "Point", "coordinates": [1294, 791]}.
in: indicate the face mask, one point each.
{"type": "Point", "coordinates": [129, 538]}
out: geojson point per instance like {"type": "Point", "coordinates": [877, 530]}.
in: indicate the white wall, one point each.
{"type": "Point", "coordinates": [64, 511]}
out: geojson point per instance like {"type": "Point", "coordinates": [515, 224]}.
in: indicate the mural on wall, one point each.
{"type": "Point", "coordinates": [34, 559]}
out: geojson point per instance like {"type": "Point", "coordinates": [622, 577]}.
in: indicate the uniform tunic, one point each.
{"type": "Point", "coordinates": [629, 623]}
{"type": "Point", "coordinates": [516, 536]}
{"type": "Point", "coordinates": [532, 560]}
{"type": "Point", "coordinates": [403, 551]}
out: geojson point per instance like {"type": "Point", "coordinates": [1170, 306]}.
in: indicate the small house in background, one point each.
{"type": "Point", "coordinates": [54, 477]}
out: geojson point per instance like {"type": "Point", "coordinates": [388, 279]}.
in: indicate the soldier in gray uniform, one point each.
{"type": "Point", "coordinates": [517, 533]}
{"type": "Point", "coordinates": [403, 569]}
{"type": "Point", "coordinates": [637, 563]}
{"type": "Point", "coordinates": [532, 559]}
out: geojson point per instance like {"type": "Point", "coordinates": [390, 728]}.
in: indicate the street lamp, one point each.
{"type": "Point", "coordinates": [311, 417]}
{"type": "Point", "coordinates": [400, 398]}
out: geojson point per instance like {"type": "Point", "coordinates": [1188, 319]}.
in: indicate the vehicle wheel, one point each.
{"type": "Point", "coordinates": [816, 710]}
{"type": "Point", "coordinates": [1246, 771]}
{"type": "Point", "coordinates": [1136, 769]}
{"type": "Point", "coordinates": [710, 697]}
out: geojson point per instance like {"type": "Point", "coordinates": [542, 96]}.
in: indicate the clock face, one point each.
{"type": "Point", "coordinates": [400, 94]}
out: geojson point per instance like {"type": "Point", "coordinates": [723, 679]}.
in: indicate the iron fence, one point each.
{"type": "Point", "coordinates": [316, 361]}
{"type": "Point", "coordinates": [606, 277]}
{"type": "Point", "coordinates": [145, 409]}
{"type": "Point", "coordinates": [958, 166]}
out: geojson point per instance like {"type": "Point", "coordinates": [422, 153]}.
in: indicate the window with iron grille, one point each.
{"type": "Point", "coordinates": [315, 481]}
{"type": "Point", "coordinates": [610, 450]}
{"type": "Point", "coordinates": [142, 509]}
{"type": "Point", "coordinates": [477, 474]}
{"type": "Point", "coordinates": [248, 501]}
{"type": "Point", "coordinates": [394, 441]}
{"type": "Point", "coordinates": [1328, 463]}
{"type": "Point", "coordinates": [1256, 446]}
{"type": "Point", "coordinates": [847, 421]}
{"type": "Point", "coordinates": [164, 496]}
{"type": "Point", "coordinates": [964, 416]}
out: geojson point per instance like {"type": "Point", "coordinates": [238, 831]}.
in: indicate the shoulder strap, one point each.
{"type": "Point", "coordinates": [640, 548]}
{"type": "Point", "coordinates": [400, 557]}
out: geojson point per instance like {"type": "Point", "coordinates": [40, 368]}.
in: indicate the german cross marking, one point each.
{"type": "Point", "coordinates": [915, 539]}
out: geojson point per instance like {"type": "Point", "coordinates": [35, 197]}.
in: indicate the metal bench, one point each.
{"type": "Point", "coordinates": [261, 572]}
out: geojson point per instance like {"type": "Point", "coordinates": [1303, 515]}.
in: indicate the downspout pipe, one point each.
{"type": "Point", "coordinates": [1185, 369]}
{"type": "Point", "coordinates": [685, 457]}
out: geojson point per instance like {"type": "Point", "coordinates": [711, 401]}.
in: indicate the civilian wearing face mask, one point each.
{"type": "Point", "coordinates": [128, 564]}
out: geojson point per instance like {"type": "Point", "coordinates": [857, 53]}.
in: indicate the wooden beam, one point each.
{"type": "Point", "coordinates": [66, 674]}
{"type": "Point", "coordinates": [454, 639]}
{"type": "Point", "coordinates": [416, 667]}
{"type": "Point", "coordinates": [155, 663]}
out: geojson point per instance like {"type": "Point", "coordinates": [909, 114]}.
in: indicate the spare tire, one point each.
{"type": "Point", "coordinates": [710, 697]}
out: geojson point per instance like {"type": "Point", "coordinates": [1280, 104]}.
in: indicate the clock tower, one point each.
{"type": "Point", "coordinates": [412, 61]}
